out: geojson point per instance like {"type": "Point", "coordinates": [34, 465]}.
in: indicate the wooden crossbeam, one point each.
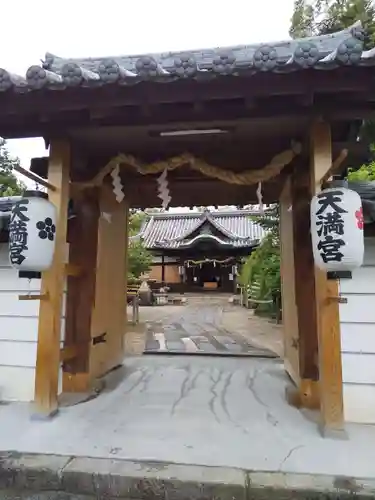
{"type": "Point", "coordinates": [35, 178]}
{"type": "Point", "coordinates": [43, 296]}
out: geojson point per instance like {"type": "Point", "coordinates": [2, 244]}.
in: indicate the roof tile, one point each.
{"type": "Point", "coordinates": [169, 230]}
{"type": "Point", "coordinates": [322, 52]}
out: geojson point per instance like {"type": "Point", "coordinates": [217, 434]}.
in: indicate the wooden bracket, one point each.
{"type": "Point", "coordinates": [35, 178]}
{"type": "Point", "coordinates": [43, 296]}
{"type": "Point", "coordinates": [334, 167]}
{"type": "Point", "coordinates": [338, 298]}
{"type": "Point", "coordinates": [67, 353]}
{"type": "Point", "coordinates": [72, 270]}
{"type": "Point", "coordinates": [71, 351]}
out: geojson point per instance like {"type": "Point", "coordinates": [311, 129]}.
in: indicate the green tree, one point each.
{"type": "Point", "coordinates": [320, 17]}
{"type": "Point", "coordinates": [363, 173]}
{"type": "Point", "coordinates": [263, 265]}
{"type": "Point", "coordinates": [302, 22]}
{"type": "Point", "coordinates": [139, 258]}
{"type": "Point", "coordinates": [136, 220]}
{"type": "Point", "coordinates": [9, 184]}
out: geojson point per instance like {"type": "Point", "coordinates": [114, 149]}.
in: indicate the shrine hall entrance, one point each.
{"type": "Point", "coordinates": [210, 276]}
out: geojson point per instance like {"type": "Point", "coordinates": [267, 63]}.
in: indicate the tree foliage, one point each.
{"type": "Point", "coordinates": [363, 173]}
{"type": "Point", "coordinates": [9, 184]}
{"type": "Point", "coordinates": [139, 258]}
{"type": "Point", "coordinates": [310, 18]}
{"type": "Point", "coordinates": [263, 265]}
{"type": "Point", "coordinates": [320, 17]}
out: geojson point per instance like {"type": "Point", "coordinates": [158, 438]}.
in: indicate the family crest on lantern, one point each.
{"type": "Point", "coordinates": [337, 229]}
{"type": "Point", "coordinates": [32, 230]}
{"type": "Point", "coordinates": [47, 229]}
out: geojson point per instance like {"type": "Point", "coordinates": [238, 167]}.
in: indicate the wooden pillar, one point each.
{"type": "Point", "coordinates": [327, 310]}
{"type": "Point", "coordinates": [53, 282]}
{"type": "Point", "coordinates": [162, 269]}
{"type": "Point", "coordinates": [108, 326]}
{"type": "Point", "coordinates": [304, 269]}
{"type": "Point", "coordinates": [318, 317]}
{"type": "Point", "coordinates": [288, 285]}
{"type": "Point", "coordinates": [83, 240]}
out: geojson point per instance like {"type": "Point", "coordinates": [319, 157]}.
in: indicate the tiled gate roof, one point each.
{"type": "Point", "coordinates": [344, 48]}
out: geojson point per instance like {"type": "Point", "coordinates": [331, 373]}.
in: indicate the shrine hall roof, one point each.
{"type": "Point", "coordinates": [320, 52]}
{"type": "Point", "coordinates": [175, 231]}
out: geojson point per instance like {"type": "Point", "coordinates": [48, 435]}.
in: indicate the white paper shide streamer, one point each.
{"type": "Point", "coordinates": [106, 216]}
{"type": "Point", "coordinates": [260, 198]}
{"type": "Point", "coordinates": [337, 229]}
{"type": "Point", "coordinates": [118, 188]}
{"type": "Point", "coordinates": [163, 190]}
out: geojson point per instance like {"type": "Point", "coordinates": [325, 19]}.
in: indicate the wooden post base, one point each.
{"type": "Point", "coordinates": [305, 396]}
{"type": "Point", "coordinates": [333, 433]}
{"type": "Point", "coordinates": [40, 416]}
{"type": "Point", "coordinates": [77, 382]}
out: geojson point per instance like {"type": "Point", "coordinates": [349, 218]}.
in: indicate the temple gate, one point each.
{"type": "Point", "coordinates": [253, 124]}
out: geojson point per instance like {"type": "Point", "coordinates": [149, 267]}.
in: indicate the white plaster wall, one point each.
{"type": "Point", "coordinates": [357, 319]}
{"type": "Point", "coordinates": [18, 333]}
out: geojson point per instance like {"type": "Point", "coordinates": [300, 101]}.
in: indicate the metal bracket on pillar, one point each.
{"type": "Point", "coordinates": [339, 275]}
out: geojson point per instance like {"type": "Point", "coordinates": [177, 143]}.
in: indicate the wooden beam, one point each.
{"type": "Point", "coordinates": [335, 167]}
{"type": "Point", "coordinates": [73, 270]}
{"type": "Point", "coordinates": [162, 268]}
{"type": "Point", "coordinates": [49, 327]}
{"type": "Point", "coordinates": [34, 297]}
{"type": "Point", "coordinates": [29, 125]}
{"type": "Point", "coordinates": [327, 310]}
{"type": "Point", "coordinates": [83, 240]}
{"type": "Point", "coordinates": [262, 85]}
{"type": "Point", "coordinates": [34, 177]}
{"type": "Point", "coordinates": [288, 296]}
{"type": "Point", "coordinates": [208, 193]}
{"type": "Point", "coordinates": [109, 312]}
{"type": "Point", "coordinates": [305, 282]}
{"type": "Point", "coordinates": [39, 166]}
{"type": "Point", "coordinates": [68, 353]}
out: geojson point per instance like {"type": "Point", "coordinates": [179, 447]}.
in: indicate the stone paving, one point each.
{"type": "Point", "coordinates": [209, 325]}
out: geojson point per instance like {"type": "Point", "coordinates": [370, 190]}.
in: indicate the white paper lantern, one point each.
{"type": "Point", "coordinates": [32, 232]}
{"type": "Point", "coordinates": [337, 229]}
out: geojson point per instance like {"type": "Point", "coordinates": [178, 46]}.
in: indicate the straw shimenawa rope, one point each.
{"type": "Point", "coordinates": [247, 178]}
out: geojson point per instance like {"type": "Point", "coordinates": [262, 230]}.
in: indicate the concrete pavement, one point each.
{"type": "Point", "coordinates": [194, 413]}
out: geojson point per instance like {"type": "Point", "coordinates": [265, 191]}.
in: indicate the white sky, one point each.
{"type": "Point", "coordinates": [82, 28]}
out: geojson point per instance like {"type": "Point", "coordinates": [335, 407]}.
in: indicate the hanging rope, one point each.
{"type": "Point", "coordinates": [204, 261]}
{"type": "Point", "coordinates": [247, 178]}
